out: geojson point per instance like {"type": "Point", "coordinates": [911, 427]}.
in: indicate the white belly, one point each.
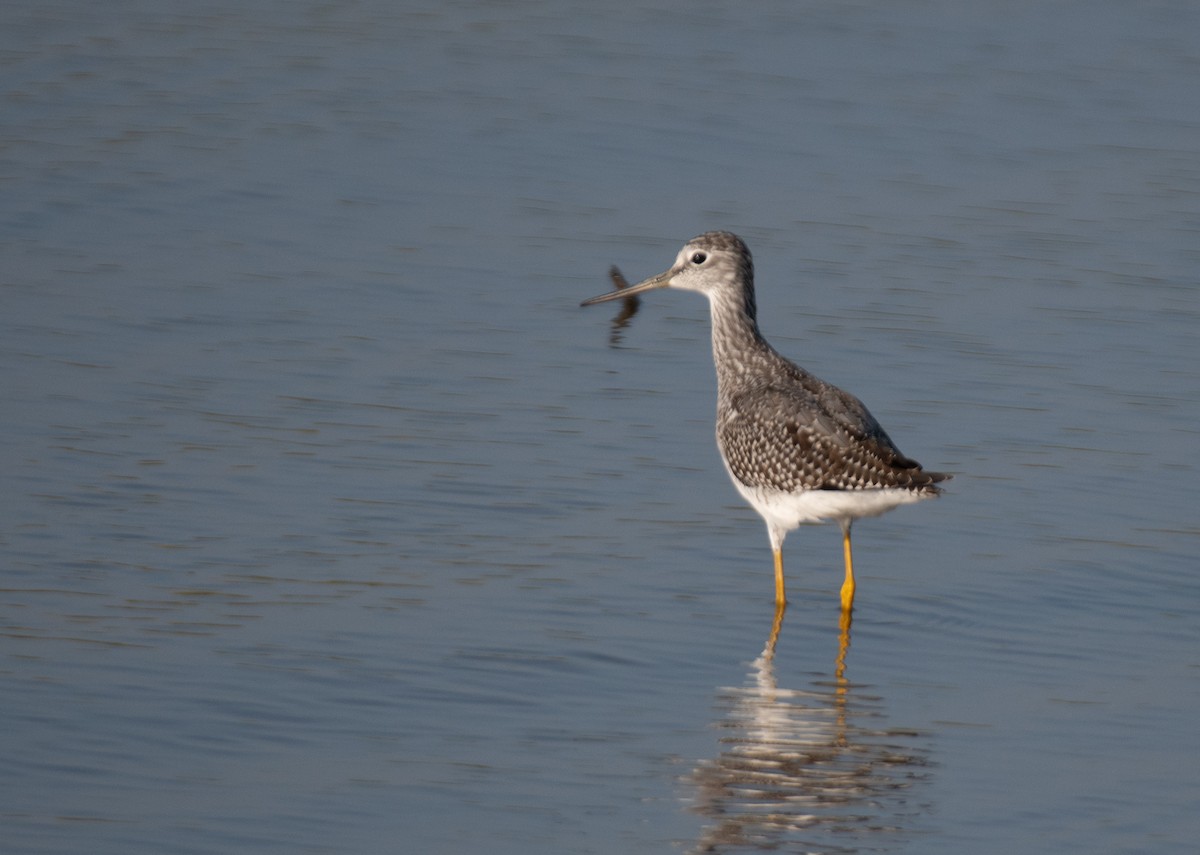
{"type": "Point", "coordinates": [783, 512]}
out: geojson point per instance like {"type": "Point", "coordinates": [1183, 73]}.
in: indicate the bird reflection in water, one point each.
{"type": "Point", "coordinates": [813, 768]}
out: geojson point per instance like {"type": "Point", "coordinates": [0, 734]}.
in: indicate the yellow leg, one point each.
{"type": "Point", "coordinates": [843, 645]}
{"type": "Point", "coordinates": [848, 585]}
{"type": "Point", "coordinates": [780, 594]}
{"type": "Point", "coordinates": [776, 625]}
{"type": "Point", "coordinates": [842, 691]}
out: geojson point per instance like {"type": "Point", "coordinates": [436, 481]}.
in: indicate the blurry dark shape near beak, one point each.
{"type": "Point", "coordinates": [630, 303]}
{"type": "Point", "coordinates": [629, 306]}
{"type": "Point", "coordinates": [618, 278]}
{"type": "Point", "coordinates": [659, 281]}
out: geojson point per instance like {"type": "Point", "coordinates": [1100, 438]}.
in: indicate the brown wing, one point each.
{"type": "Point", "coordinates": [814, 438]}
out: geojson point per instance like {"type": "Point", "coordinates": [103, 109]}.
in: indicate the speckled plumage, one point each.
{"type": "Point", "coordinates": [797, 432]}
{"type": "Point", "coordinates": [799, 449]}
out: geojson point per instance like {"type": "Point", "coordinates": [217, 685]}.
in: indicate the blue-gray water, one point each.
{"type": "Point", "coordinates": [330, 523]}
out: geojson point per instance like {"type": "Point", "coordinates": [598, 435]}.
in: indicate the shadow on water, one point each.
{"type": "Point", "coordinates": [816, 768]}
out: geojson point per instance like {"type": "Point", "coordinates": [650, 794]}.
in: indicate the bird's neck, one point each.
{"type": "Point", "coordinates": [739, 351]}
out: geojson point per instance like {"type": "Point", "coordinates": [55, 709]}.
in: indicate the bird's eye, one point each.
{"type": "Point", "coordinates": [699, 258]}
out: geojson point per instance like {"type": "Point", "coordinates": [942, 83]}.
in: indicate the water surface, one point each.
{"type": "Point", "coordinates": [332, 524]}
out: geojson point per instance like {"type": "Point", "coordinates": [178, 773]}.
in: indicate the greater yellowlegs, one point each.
{"type": "Point", "coordinates": [798, 449]}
